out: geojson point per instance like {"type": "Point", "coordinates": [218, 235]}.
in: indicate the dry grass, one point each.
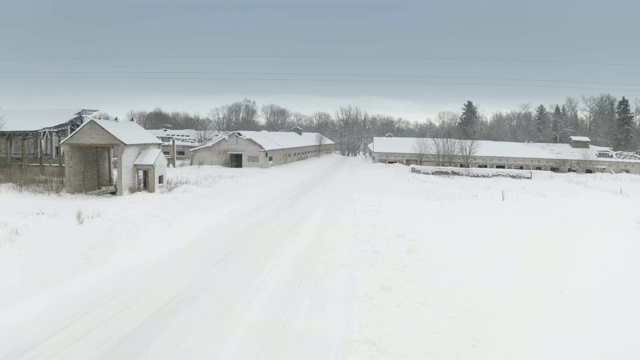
{"type": "Point", "coordinates": [199, 180]}
{"type": "Point", "coordinates": [23, 182]}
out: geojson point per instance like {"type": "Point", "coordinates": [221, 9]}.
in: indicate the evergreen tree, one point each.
{"type": "Point", "coordinates": [542, 124]}
{"type": "Point", "coordinates": [468, 120]}
{"type": "Point", "coordinates": [624, 125]}
{"type": "Point", "coordinates": [557, 123]}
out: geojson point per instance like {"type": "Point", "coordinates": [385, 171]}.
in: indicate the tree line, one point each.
{"type": "Point", "coordinates": [603, 118]}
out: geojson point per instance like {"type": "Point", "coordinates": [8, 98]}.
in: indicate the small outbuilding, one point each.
{"type": "Point", "coordinates": [90, 152]}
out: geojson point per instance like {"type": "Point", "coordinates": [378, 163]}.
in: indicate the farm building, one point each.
{"type": "Point", "coordinates": [185, 141]}
{"type": "Point", "coordinates": [261, 148]}
{"type": "Point", "coordinates": [89, 152]}
{"type": "Point", "coordinates": [577, 156]}
{"type": "Point", "coordinates": [31, 138]}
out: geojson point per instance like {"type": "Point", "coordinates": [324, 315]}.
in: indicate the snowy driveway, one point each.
{"type": "Point", "coordinates": [340, 258]}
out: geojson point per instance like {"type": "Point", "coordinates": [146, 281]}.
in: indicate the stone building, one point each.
{"type": "Point", "coordinates": [261, 148]}
{"type": "Point", "coordinates": [90, 151]}
{"type": "Point", "coordinates": [577, 156]}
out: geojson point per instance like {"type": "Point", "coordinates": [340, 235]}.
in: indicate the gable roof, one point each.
{"type": "Point", "coordinates": [148, 157]}
{"type": "Point", "coordinates": [127, 132]}
{"type": "Point", "coordinates": [283, 140]}
{"type": "Point", "coordinates": [495, 149]}
{"type": "Point", "coordinates": [269, 140]}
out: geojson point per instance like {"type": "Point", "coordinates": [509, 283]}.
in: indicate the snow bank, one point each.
{"type": "Point", "coordinates": [471, 172]}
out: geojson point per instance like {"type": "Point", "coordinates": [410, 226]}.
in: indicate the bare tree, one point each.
{"type": "Point", "coordinates": [102, 116]}
{"type": "Point", "coordinates": [421, 147]}
{"type": "Point", "coordinates": [320, 140]}
{"type": "Point", "coordinates": [299, 119]}
{"type": "Point", "coordinates": [467, 149]}
{"type": "Point", "coordinates": [276, 117]}
{"type": "Point", "coordinates": [352, 126]}
{"type": "Point", "coordinates": [445, 149]}
{"type": "Point", "coordinates": [320, 122]}
{"type": "Point", "coordinates": [241, 115]}
{"type": "Point", "coordinates": [444, 143]}
{"type": "Point", "coordinates": [586, 155]}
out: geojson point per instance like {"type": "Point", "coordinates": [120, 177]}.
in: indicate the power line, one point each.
{"type": "Point", "coordinates": [324, 74]}
{"type": "Point", "coordinates": [313, 80]}
{"type": "Point", "coordinates": [345, 57]}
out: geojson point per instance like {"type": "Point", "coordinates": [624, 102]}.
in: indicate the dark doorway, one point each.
{"type": "Point", "coordinates": [143, 180]}
{"type": "Point", "coordinates": [235, 160]}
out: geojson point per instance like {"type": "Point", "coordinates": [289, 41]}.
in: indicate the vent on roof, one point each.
{"type": "Point", "coordinates": [389, 135]}
{"type": "Point", "coordinates": [579, 142]}
{"type": "Point", "coordinates": [297, 130]}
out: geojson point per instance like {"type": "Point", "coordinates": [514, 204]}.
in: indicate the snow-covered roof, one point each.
{"type": "Point", "coordinates": [183, 137]}
{"type": "Point", "coordinates": [128, 132]}
{"type": "Point", "coordinates": [148, 157]}
{"type": "Point", "coordinates": [283, 140]}
{"type": "Point", "coordinates": [275, 140]}
{"type": "Point", "coordinates": [34, 119]}
{"type": "Point", "coordinates": [495, 149]}
{"type": "Point", "coordinates": [579, 138]}
{"type": "Point", "coordinates": [216, 138]}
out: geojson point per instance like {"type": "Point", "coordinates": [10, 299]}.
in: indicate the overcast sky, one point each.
{"type": "Point", "coordinates": [408, 59]}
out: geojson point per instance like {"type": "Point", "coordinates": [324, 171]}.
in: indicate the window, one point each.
{"type": "Point", "coordinates": [500, 166]}
{"type": "Point", "coordinates": [482, 166]}
{"type": "Point", "coordinates": [252, 159]}
{"type": "Point", "coordinates": [165, 152]}
{"type": "Point", "coordinates": [266, 155]}
{"type": "Point", "coordinates": [538, 167]}
{"type": "Point", "coordinates": [180, 152]}
{"type": "Point", "coordinates": [161, 179]}
{"type": "Point", "coordinates": [270, 158]}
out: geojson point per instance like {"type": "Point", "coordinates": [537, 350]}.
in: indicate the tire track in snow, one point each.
{"type": "Point", "coordinates": [91, 326]}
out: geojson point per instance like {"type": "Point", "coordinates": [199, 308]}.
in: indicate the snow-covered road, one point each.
{"type": "Point", "coordinates": [257, 284]}
{"type": "Point", "coordinates": [340, 258]}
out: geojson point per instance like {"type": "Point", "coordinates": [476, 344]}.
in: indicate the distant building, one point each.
{"type": "Point", "coordinates": [261, 148]}
{"type": "Point", "coordinates": [140, 164]}
{"type": "Point", "coordinates": [577, 156]}
{"type": "Point", "coordinates": [185, 140]}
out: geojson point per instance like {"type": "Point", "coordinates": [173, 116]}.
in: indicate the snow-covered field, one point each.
{"type": "Point", "coordinates": [326, 258]}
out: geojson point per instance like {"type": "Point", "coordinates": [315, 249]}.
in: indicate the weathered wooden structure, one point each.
{"type": "Point", "coordinates": [26, 146]}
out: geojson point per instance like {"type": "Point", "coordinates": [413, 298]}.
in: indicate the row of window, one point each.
{"type": "Point", "coordinates": [307, 152]}
{"type": "Point", "coordinates": [178, 152]}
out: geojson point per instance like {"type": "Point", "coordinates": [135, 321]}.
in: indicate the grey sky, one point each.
{"type": "Point", "coordinates": [117, 56]}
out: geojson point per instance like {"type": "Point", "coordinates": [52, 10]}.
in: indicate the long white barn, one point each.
{"type": "Point", "coordinates": [577, 156]}
{"type": "Point", "coordinates": [261, 148]}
